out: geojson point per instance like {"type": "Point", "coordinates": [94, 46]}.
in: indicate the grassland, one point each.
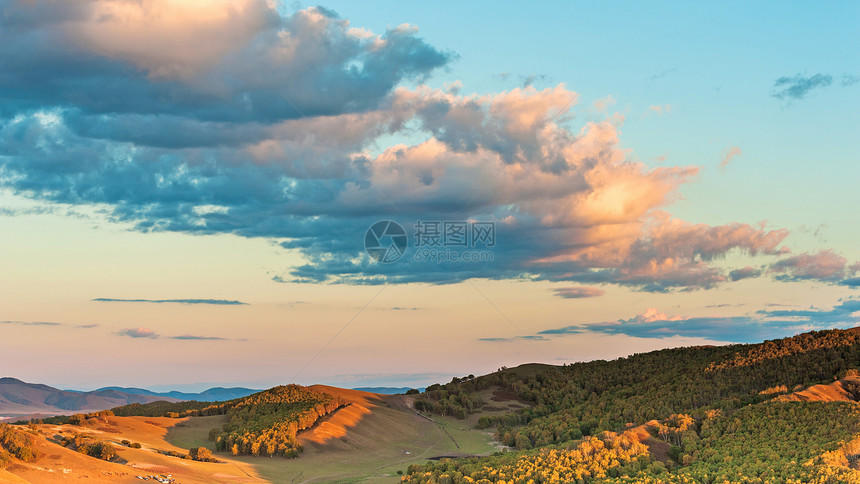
{"type": "Point", "coordinates": [368, 441]}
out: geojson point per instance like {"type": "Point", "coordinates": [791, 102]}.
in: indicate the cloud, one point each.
{"type": "Point", "coordinates": [745, 273]}
{"type": "Point", "coordinates": [844, 312]}
{"type": "Point", "coordinates": [217, 302]}
{"type": "Point", "coordinates": [660, 109]}
{"type": "Point", "coordinates": [533, 337]}
{"type": "Point", "coordinates": [798, 86]}
{"type": "Point", "coordinates": [602, 105]}
{"type": "Point", "coordinates": [564, 330]}
{"type": "Point", "coordinates": [662, 74]}
{"type": "Point", "coordinates": [51, 323]}
{"type": "Point", "coordinates": [526, 81]}
{"type": "Point", "coordinates": [578, 292]}
{"type": "Point", "coordinates": [728, 155]}
{"type": "Point", "coordinates": [148, 59]}
{"type": "Point", "coordinates": [851, 282]}
{"type": "Point", "coordinates": [139, 332]}
{"type": "Point", "coordinates": [651, 315]}
{"type": "Point", "coordinates": [32, 323]}
{"type": "Point", "coordinates": [825, 265]}
{"type": "Point", "coordinates": [196, 337]}
{"type": "Point", "coordinates": [849, 80]}
{"type": "Point", "coordinates": [273, 126]}
{"type": "Point", "coordinates": [766, 324]}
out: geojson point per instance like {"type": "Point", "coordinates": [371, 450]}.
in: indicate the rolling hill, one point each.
{"type": "Point", "coordinates": [781, 411]}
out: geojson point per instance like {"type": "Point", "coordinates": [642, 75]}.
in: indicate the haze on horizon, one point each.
{"type": "Point", "coordinates": [186, 187]}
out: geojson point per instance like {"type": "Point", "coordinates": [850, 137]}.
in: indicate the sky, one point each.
{"type": "Point", "coordinates": [190, 190]}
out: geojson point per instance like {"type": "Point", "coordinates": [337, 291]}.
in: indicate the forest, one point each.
{"type": "Point", "coordinates": [712, 406]}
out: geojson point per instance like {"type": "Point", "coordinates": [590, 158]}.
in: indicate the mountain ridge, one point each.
{"type": "Point", "coordinates": [20, 398]}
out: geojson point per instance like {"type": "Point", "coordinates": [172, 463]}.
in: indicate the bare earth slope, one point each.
{"type": "Point", "coordinates": [831, 392]}
{"type": "Point", "coordinates": [59, 464]}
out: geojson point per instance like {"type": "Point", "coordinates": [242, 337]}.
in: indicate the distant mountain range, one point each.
{"type": "Point", "coordinates": [386, 390]}
{"type": "Point", "coordinates": [22, 399]}
{"type": "Point", "coordinates": [216, 394]}
{"type": "Point", "coordinates": [19, 399]}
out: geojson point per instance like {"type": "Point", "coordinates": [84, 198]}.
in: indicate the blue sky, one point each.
{"type": "Point", "coordinates": [658, 174]}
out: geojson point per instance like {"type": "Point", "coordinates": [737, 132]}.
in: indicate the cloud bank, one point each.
{"type": "Point", "coordinates": [274, 126]}
{"type": "Point", "coordinates": [763, 325]}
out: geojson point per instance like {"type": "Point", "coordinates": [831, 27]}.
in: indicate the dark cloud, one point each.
{"type": "Point", "coordinates": [217, 302]}
{"type": "Point", "coordinates": [851, 282]}
{"type": "Point", "coordinates": [564, 330]}
{"type": "Point", "coordinates": [745, 273]}
{"type": "Point", "coordinates": [147, 333]}
{"type": "Point", "coordinates": [32, 323]}
{"type": "Point", "coordinates": [798, 86]}
{"type": "Point", "coordinates": [196, 337]}
{"type": "Point", "coordinates": [534, 337]}
{"type": "Point", "coordinates": [841, 313]}
{"type": "Point", "coordinates": [766, 324]}
{"type": "Point", "coordinates": [578, 292]}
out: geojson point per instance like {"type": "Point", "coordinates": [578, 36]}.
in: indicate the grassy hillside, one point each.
{"type": "Point", "coordinates": [262, 424]}
{"type": "Point", "coordinates": [722, 394]}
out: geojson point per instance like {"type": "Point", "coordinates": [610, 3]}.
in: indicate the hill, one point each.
{"type": "Point", "coordinates": [710, 414]}
{"type": "Point", "coordinates": [18, 398]}
{"type": "Point", "coordinates": [781, 411]}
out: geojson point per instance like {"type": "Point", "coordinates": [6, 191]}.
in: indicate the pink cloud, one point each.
{"type": "Point", "coordinates": [139, 332]}
{"type": "Point", "coordinates": [824, 265]}
{"type": "Point", "coordinates": [729, 154]}
{"type": "Point", "coordinates": [164, 37]}
{"type": "Point", "coordinates": [653, 314]}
